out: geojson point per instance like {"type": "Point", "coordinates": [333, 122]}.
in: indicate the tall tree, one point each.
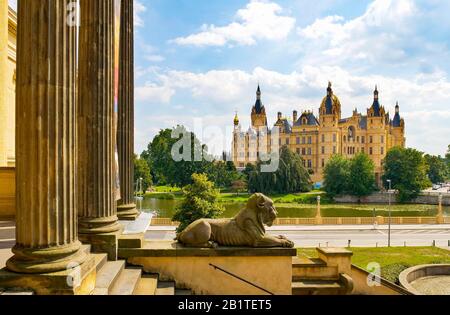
{"type": "Point", "coordinates": [290, 177]}
{"type": "Point", "coordinates": [165, 168]}
{"type": "Point", "coordinates": [142, 170]}
{"type": "Point", "coordinates": [361, 180]}
{"type": "Point", "coordinates": [437, 168]}
{"type": "Point", "coordinates": [336, 176]}
{"type": "Point", "coordinates": [407, 170]}
{"type": "Point", "coordinates": [200, 201]}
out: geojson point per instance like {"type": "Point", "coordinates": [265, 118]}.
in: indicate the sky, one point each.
{"type": "Point", "coordinates": [198, 59]}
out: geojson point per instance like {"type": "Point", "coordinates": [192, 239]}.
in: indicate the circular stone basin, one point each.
{"type": "Point", "coordinates": [427, 279]}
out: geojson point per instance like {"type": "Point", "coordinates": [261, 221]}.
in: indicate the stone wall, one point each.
{"type": "Point", "coordinates": [382, 198]}
{"type": "Point", "coordinates": [7, 192]}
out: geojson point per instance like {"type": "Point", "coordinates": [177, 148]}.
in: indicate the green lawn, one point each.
{"type": "Point", "coordinates": [392, 260]}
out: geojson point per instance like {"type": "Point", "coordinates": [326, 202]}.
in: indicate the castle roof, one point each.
{"type": "Point", "coordinates": [311, 120]}
{"type": "Point", "coordinates": [376, 104]}
{"type": "Point", "coordinates": [397, 122]}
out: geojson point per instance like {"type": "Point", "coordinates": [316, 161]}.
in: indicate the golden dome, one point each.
{"type": "Point", "coordinates": [236, 120]}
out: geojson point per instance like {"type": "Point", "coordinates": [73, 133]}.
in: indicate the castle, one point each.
{"type": "Point", "coordinates": [316, 140]}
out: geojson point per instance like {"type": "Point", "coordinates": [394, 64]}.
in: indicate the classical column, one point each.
{"type": "Point", "coordinates": [3, 80]}
{"type": "Point", "coordinates": [46, 214]}
{"type": "Point", "coordinates": [98, 222]}
{"type": "Point", "coordinates": [126, 209]}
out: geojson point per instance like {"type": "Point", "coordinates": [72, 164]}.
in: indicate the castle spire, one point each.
{"type": "Point", "coordinates": [258, 93]}
{"type": "Point", "coordinates": [376, 93]}
{"type": "Point", "coordinates": [236, 119]}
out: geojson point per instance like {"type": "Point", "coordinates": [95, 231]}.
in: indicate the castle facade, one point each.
{"type": "Point", "coordinates": [317, 139]}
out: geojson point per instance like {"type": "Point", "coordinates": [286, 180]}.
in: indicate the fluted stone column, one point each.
{"type": "Point", "coordinates": [46, 217]}
{"type": "Point", "coordinates": [3, 81]}
{"type": "Point", "coordinates": [98, 220]}
{"type": "Point", "coordinates": [126, 209]}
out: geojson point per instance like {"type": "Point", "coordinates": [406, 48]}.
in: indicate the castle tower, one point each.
{"type": "Point", "coordinates": [259, 117]}
{"type": "Point", "coordinates": [398, 129]}
{"type": "Point", "coordinates": [328, 142]}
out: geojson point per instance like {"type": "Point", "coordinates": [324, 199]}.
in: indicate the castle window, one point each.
{"type": "Point", "coordinates": [287, 141]}
{"type": "Point", "coordinates": [303, 151]}
{"type": "Point", "coordinates": [298, 151]}
{"type": "Point", "coordinates": [363, 150]}
{"type": "Point", "coordinates": [382, 150]}
{"type": "Point", "coordinates": [298, 140]}
{"type": "Point", "coordinates": [323, 163]}
{"type": "Point", "coordinates": [371, 139]}
{"type": "Point", "coordinates": [345, 138]}
{"type": "Point", "coordinates": [323, 150]}
{"type": "Point", "coordinates": [357, 139]}
{"type": "Point", "coordinates": [304, 140]}
{"type": "Point", "coordinates": [370, 150]}
{"type": "Point", "coordinates": [334, 150]}
{"type": "Point", "coordinates": [334, 137]}
{"type": "Point", "coordinates": [363, 139]}
{"type": "Point", "coordinates": [309, 164]}
{"type": "Point", "coordinates": [304, 163]}
{"type": "Point", "coordinates": [382, 139]}
{"type": "Point", "coordinates": [309, 140]}
{"type": "Point", "coordinates": [323, 138]}
{"type": "Point", "coordinates": [309, 151]}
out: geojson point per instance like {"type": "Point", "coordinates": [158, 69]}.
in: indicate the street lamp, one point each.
{"type": "Point", "coordinates": [389, 230]}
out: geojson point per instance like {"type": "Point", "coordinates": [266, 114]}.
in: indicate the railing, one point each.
{"type": "Point", "coordinates": [240, 279]}
{"type": "Point", "coordinates": [333, 221]}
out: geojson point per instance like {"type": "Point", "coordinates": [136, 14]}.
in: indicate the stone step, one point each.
{"type": "Point", "coordinates": [317, 287]}
{"type": "Point", "coordinates": [165, 288]}
{"type": "Point", "coordinates": [107, 276]}
{"type": "Point", "coordinates": [147, 285]}
{"type": "Point", "coordinates": [313, 268]}
{"type": "Point", "coordinates": [307, 262]}
{"type": "Point", "coordinates": [100, 261]}
{"type": "Point", "coordinates": [183, 292]}
{"type": "Point", "coordinates": [127, 282]}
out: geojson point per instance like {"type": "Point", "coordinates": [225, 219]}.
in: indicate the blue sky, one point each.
{"type": "Point", "coordinates": [203, 59]}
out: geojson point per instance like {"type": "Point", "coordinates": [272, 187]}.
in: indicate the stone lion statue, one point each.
{"type": "Point", "coordinates": [245, 229]}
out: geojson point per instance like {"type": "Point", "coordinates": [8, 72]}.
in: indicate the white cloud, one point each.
{"type": "Point", "coordinates": [139, 8]}
{"type": "Point", "coordinates": [422, 100]}
{"type": "Point", "coordinates": [155, 58]}
{"type": "Point", "coordinates": [383, 33]}
{"type": "Point", "coordinates": [259, 20]}
{"type": "Point", "coordinates": [154, 94]}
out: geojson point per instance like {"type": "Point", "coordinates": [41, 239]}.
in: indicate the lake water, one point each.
{"type": "Point", "coordinates": [166, 209]}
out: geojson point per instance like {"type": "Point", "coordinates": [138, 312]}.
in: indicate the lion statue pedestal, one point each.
{"type": "Point", "coordinates": [245, 229]}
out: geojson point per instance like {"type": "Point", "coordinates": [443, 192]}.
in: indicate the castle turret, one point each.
{"type": "Point", "coordinates": [259, 118]}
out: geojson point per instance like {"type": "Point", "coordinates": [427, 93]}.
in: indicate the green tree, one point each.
{"type": "Point", "coordinates": [447, 160]}
{"type": "Point", "coordinates": [361, 179]}
{"type": "Point", "coordinates": [336, 176]}
{"type": "Point", "coordinates": [407, 169]}
{"type": "Point", "coordinates": [290, 177]}
{"type": "Point", "coordinates": [142, 170]}
{"type": "Point", "coordinates": [239, 186]}
{"type": "Point", "coordinates": [437, 168]}
{"type": "Point", "coordinates": [165, 169]}
{"type": "Point", "coordinates": [200, 201]}
{"type": "Point", "coordinates": [249, 168]}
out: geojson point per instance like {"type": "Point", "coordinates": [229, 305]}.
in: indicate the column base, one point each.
{"type": "Point", "coordinates": [127, 212]}
{"type": "Point", "coordinates": [103, 243]}
{"type": "Point", "coordinates": [46, 260]}
{"type": "Point", "coordinates": [75, 280]}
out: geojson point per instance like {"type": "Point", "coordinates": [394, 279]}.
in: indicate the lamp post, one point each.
{"type": "Point", "coordinates": [389, 230]}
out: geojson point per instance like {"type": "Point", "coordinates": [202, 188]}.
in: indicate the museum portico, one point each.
{"type": "Point", "coordinates": [67, 93]}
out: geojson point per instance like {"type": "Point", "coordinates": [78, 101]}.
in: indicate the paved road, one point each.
{"type": "Point", "coordinates": [312, 236]}
{"type": "Point", "coordinates": [338, 236]}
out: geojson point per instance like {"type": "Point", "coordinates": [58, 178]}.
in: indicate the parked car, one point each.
{"type": "Point", "coordinates": [436, 187]}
